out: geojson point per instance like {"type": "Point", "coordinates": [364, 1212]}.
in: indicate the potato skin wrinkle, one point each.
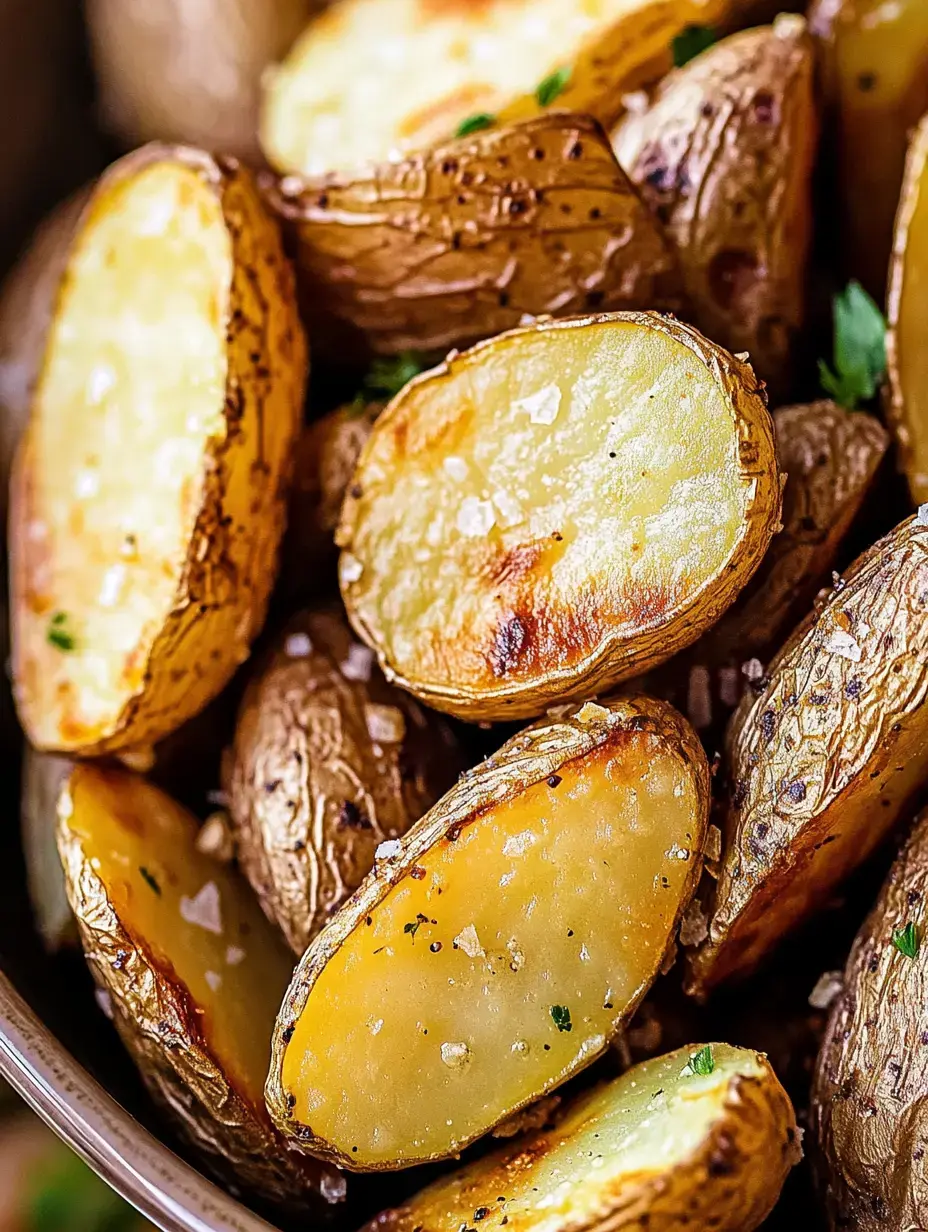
{"type": "Point", "coordinates": [138, 587]}
{"type": "Point", "coordinates": [868, 1096]}
{"type": "Point", "coordinates": [529, 523]}
{"type": "Point", "coordinates": [724, 156]}
{"type": "Point", "coordinates": [825, 757]}
{"type": "Point", "coordinates": [328, 762]}
{"type": "Point", "coordinates": [658, 1148]}
{"type": "Point", "coordinates": [461, 241]}
{"type": "Point", "coordinates": [499, 945]}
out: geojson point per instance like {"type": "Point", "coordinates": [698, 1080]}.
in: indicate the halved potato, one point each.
{"type": "Point", "coordinates": [498, 947]}
{"type": "Point", "coordinates": [661, 1147]}
{"type": "Point", "coordinates": [724, 156]}
{"type": "Point", "coordinates": [370, 79]}
{"type": "Point", "coordinates": [149, 495]}
{"type": "Point", "coordinates": [191, 970]}
{"type": "Point", "coordinates": [328, 762]}
{"type": "Point", "coordinates": [555, 510]}
{"type": "Point", "coordinates": [907, 311]}
{"type": "Point", "coordinates": [42, 777]}
{"type": "Point", "coordinates": [824, 757]}
{"type": "Point", "coordinates": [459, 243]}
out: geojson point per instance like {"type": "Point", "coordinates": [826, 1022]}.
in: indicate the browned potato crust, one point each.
{"type": "Point", "coordinates": [824, 758]}
{"type": "Point", "coordinates": [868, 1097]}
{"type": "Point", "coordinates": [328, 762]}
{"type": "Point", "coordinates": [724, 157]}
{"type": "Point", "coordinates": [149, 499]}
{"type": "Point", "coordinates": [461, 241]}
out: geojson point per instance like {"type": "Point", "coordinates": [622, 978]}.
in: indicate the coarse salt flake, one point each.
{"type": "Point", "coordinates": [828, 986]}
{"type": "Point", "coordinates": [333, 1187]}
{"type": "Point", "coordinates": [214, 979]}
{"type": "Point", "coordinates": [591, 712]}
{"type": "Point", "coordinates": [214, 838]}
{"type": "Point", "coordinates": [542, 407]}
{"type": "Point", "coordinates": [468, 941]}
{"type": "Point", "coordinates": [376, 1025]}
{"type": "Point", "coordinates": [475, 517]}
{"type": "Point", "coordinates": [455, 467]}
{"type": "Point", "coordinates": [388, 850]}
{"type": "Point", "coordinates": [298, 646]}
{"type": "Point", "coordinates": [841, 643]}
{"type": "Point", "coordinates": [234, 955]}
{"type": "Point", "coordinates": [922, 515]}
{"type": "Point", "coordinates": [203, 909]}
{"type": "Point", "coordinates": [508, 508]}
{"type": "Point", "coordinates": [349, 567]}
{"type": "Point", "coordinates": [385, 724]}
{"type": "Point", "coordinates": [113, 581]}
{"type": "Point", "coordinates": [455, 1054]}
{"type": "Point", "coordinates": [359, 663]}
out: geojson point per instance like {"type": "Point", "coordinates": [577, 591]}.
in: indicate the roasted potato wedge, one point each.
{"type": "Point", "coordinates": [182, 71]}
{"type": "Point", "coordinates": [42, 777]}
{"type": "Point", "coordinates": [724, 157]}
{"type": "Point", "coordinates": [369, 80]}
{"type": "Point", "coordinates": [659, 1148]}
{"type": "Point", "coordinates": [328, 762]}
{"type": "Point", "coordinates": [192, 971]}
{"type": "Point", "coordinates": [529, 522]}
{"type": "Point", "coordinates": [462, 241]}
{"type": "Point", "coordinates": [876, 61]}
{"type": "Point", "coordinates": [498, 946]}
{"type": "Point", "coordinates": [824, 756]}
{"type": "Point", "coordinates": [868, 1098]}
{"type": "Point", "coordinates": [907, 306]}
{"type": "Point", "coordinates": [137, 588]}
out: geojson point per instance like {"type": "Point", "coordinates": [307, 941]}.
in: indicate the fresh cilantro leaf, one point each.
{"type": "Point", "coordinates": [702, 1062]}
{"type": "Point", "coordinates": [58, 634]}
{"type": "Point", "coordinates": [690, 42]}
{"type": "Point", "coordinates": [150, 879]}
{"type": "Point", "coordinates": [561, 1016]}
{"type": "Point", "coordinates": [414, 925]}
{"type": "Point", "coordinates": [475, 124]}
{"type": "Point", "coordinates": [553, 85]}
{"type": "Point", "coordinates": [907, 941]}
{"type": "Point", "coordinates": [859, 349]}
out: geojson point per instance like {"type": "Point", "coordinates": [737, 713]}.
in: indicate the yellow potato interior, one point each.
{"type": "Point", "coordinates": [910, 333]}
{"type": "Point", "coordinates": [500, 963]}
{"type": "Point", "coordinates": [195, 919]}
{"type": "Point", "coordinates": [132, 390]}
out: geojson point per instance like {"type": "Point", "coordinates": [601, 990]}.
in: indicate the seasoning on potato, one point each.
{"type": "Point", "coordinates": [500, 944]}
{"type": "Point", "coordinates": [149, 497]}
{"type": "Point", "coordinates": [555, 510]}
{"type": "Point", "coordinates": [190, 970]}
{"type": "Point", "coordinates": [824, 756]}
{"type": "Point", "coordinates": [724, 156]}
{"type": "Point", "coordinates": [328, 762]}
{"type": "Point", "coordinates": [369, 80]}
{"type": "Point", "coordinates": [868, 1097]}
{"type": "Point", "coordinates": [907, 305]}
{"type": "Point", "coordinates": [703, 1137]}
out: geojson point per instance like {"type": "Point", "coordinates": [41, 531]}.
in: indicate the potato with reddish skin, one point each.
{"type": "Point", "coordinates": [724, 156]}
{"type": "Point", "coordinates": [328, 762]}
{"type": "Point", "coordinates": [459, 242]}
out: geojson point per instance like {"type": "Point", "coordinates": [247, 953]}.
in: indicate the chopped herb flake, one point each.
{"type": "Point", "coordinates": [907, 941]}
{"type": "Point", "coordinates": [475, 124]}
{"type": "Point", "coordinates": [859, 349]}
{"type": "Point", "coordinates": [150, 879]}
{"type": "Point", "coordinates": [561, 1016]}
{"type": "Point", "coordinates": [59, 635]}
{"type": "Point", "coordinates": [414, 925]}
{"type": "Point", "coordinates": [702, 1062]}
{"type": "Point", "coordinates": [690, 42]}
{"type": "Point", "coordinates": [552, 86]}
{"type": "Point", "coordinates": [385, 379]}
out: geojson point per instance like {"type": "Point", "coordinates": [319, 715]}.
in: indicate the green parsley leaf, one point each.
{"type": "Point", "coordinates": [553, 85]}
{"type": "Point", "coordinates": [58, 634]}
{"type": "Point", "coordinates": [702, 1062]}
{"type": "Point", "coordinates": [859, 349]}
{"type": "Point", "coordinates": [386, 378]}
{"type": "Point", "coordinates": [475, 124]}
{"type": "Point", "coordinates": [150, 879]}
{"type": "Point", "coordinates": [907, 941]}
{"type": "Point", "coordinates": [561, 1016]}
{"type": "Point", "coordinates": [414, 925]}
{"type": "Point", "coordinates": [690, 42]}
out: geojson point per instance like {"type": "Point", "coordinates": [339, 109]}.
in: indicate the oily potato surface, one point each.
{"type": "Point", "coordinates": [461, 241]}
{"type": "Point", "coordinates": [497, 947]}
{"type": "Point", "coordinates": [192, 972]}
{"type": "Point", "coordinates": [328, 762]}
{"type": "Point", "coordinates": [149, 497]}
{"type": "Point", "coordinates": [658, 1148]}
{"type": "Point", "coordinates": [868, 1095]}
{"type": "Point", "coordinates": [823, 755]}
{"type": "Point", "coordinates": [529, 522]}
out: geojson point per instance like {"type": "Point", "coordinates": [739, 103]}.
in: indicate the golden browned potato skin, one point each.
{"type": "Point", "coordinates": [724, 157]}
{"type": "Point", "coordinates": [461, 241]}
{"type": "Point", "coordinates": [210, 629]}
{"type": "Point", "coordinates": [868, 1096]}
{"type": "Point", "coordinates": [328, 761]}
{"type": "Point", "coordinates": [825, 757]}
{"type": "Point", "coordinates": [182, 70]}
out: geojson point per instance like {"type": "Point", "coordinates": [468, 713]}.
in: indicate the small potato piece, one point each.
{"type": "Point", "coordinates": [825, 757]}
{"type": "Point", "coordinates": [189, 70]}
{"type": "Point", "coordinates": [328, 762]}
{"type": "Point", "coordinates": [498, 947]}
{"type": "Point", "coordinates": [192, 970]}
{"type": "Point", "coordinates": [458, 243]}
{"type": "Point", "coordinates": [555, 510]}
{"type": "Point", "coordinates": [370, 79]}
{"type": "Point", "coordinates": [657, 1149]}
{"type": "Point", "coordinates": [43, 775]}
{"type": "Point", "coordinates": [148, 500]}
{"type": "Point", "coordinates": [907, 311]}
{"type": "Point", "coordinates": [724, 156]}
{"type": "Point", "coordinates": [876, 61]}
{"type": "Point", "coordinates": [868, 1097]}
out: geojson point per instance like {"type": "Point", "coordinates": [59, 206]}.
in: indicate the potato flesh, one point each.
{"type": "Point", "coordinates": [404, 1050]}
{"type": "Point", "coordinates": [635, 486]}
{"type": "Point", "coordinates": [911, 375]}
{"type": "Point", "coordinates": [201, 926]}
{"type": "Point", "coordinates": [133, 389]}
